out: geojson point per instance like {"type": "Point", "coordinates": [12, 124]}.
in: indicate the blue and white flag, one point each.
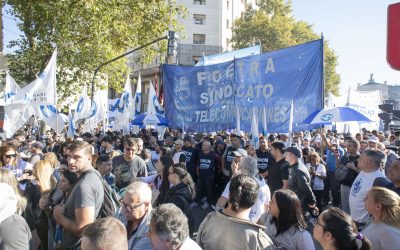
{"type": "Point", "coordinates": [153, 106]}
{"type": "Point", "coordinates": [51, 116]}
{"type": "Point", "coordinates": [82, 108]}
{"type": "Point", "coordinates": [254, 129]}
{"type": "Point", "coordinates": [138, 96]}
{"type": "Point", "coordinates": [11, 89]}
{"type": "Point", "coordinates": [15, 116]}
{"type": "Point", "coordinates": [125, 109]}
{"type": "Point", "coordinates": [41, 91]}
{"type": "Point", "coordinates": [71, 125]}
{"type": "Point", "coordinates": [97, 111]}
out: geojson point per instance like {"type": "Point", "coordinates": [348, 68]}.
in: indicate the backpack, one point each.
{"type": "Point", "coordinates": [111, 203]}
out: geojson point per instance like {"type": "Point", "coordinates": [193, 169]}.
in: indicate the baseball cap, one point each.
{"type": "Point", "coordinates": [179, 142]}
{"type": "Point", "coordinates": [373, 139]}
{"type": "Point", "coordinates": [294, 150]}
{"type": "Point", "coordinates": [240, 152]}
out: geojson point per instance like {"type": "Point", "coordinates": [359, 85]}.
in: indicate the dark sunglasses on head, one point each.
{"type": "Point", "coordinates": [10, 156]}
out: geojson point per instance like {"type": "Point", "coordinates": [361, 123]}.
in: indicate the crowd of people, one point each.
{"type": "Point", "coordinates": [306, 190]}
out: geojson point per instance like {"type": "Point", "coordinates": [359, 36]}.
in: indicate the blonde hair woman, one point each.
{"type": "Point", "coordinates": [7, 177]}
{"type": "Point", "coordinates": [42, 183]}
{"type": "Point", "coordinates": [55, 164]}
{"type": "Point", "coordinates": [384, 206]}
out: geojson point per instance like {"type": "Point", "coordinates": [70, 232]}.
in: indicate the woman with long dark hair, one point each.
{"type": "Point", "coordinates": [335, 229]}
{"type": "Point", "coordinates": [285, 223]}
{"type": "Point", "coordinates": [160, 185]}
{"type": "Point", "coordinates": [183, 191]}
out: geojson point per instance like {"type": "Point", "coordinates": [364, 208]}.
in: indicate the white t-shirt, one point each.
{"type": "Point", "coordinates": [318, 181]}
{"type": "Point", "coordinates": [361, 185]}
{"type": "Point", "coordinates": [264, 197]}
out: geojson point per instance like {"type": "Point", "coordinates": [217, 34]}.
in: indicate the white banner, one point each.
{"type": "Point", "coordinates": [15, 116]}
{"type": "Point", "coordinates": [51, 116]}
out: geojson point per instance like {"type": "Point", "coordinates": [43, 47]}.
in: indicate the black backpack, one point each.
{"type": "Point", "coordinates": [111, 203]}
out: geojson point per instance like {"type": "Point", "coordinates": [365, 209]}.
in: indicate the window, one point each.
{"type": "Point", "coordinates": [227, 23]}
{"type": "Point", "coordinates": [199, 39]}
{"type": "Point", "coordinates": [199, 19]}
{"type": "Point", "coordinates": [200, 2]}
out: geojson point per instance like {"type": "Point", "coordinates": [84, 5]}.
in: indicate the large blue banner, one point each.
{"type": "Point", "coordinates": [205, 98]}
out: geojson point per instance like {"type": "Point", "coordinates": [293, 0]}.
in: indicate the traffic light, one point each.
{"type": "Point", "coordinates": [172, 43]}
{"type": "Point", "coordinates": [388, 107]}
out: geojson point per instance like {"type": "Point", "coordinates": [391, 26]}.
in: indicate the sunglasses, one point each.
{"type": "Point", "coordinates": [10, 156]}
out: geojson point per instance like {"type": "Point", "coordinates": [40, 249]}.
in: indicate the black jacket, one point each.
{"type": "Point", "coordinates": [180, 196]}
{"type": "Point", "coordinates": [300, 183]}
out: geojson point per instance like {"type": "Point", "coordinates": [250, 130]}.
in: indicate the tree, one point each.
{"type": "Point", "coordinates": [275, 28]}
{"type": "Point", "coordinates": [87, 33]}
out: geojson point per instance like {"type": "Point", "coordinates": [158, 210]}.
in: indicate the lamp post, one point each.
{"type": "Point", "coordinates": [172, 37]}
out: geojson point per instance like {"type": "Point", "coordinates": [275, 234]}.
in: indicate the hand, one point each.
{"type": "Point", "coordinates": [59, 211]}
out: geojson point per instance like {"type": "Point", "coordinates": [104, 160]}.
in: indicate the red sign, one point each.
{"type": "Point", "coordinates": [393, 36]}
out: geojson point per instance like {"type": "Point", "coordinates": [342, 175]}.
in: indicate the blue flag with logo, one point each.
{"type": "Point", "coordinates": [204, 98]}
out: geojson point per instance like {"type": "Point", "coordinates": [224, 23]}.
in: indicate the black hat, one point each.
{"type": "Point", "coordinates": [294, 150]}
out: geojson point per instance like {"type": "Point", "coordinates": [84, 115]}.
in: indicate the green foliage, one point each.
{"type": "Point", "coordinates": [87, 33]}
{"type": "Point", "coordinates": [275, 28]}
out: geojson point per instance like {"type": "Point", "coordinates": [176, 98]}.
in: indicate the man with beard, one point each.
{"type": "Point", "coordinates": [264, 157]}
{"type": "Point", "coordinates": [228, 156]}
{"type": "Point", "coordinates": [278, 170]}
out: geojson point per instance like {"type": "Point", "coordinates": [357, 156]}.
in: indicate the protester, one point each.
{"type": "Point", "coordinates": [105, 234]}
{"type": "Point", "coordinates": [42, 183]}
{"type": "Point", "coordinates": [7, 177]}
{"type": "Point", "coordinates": [285, 223]}
{"type": "Point", "coordinates": [264, 157]}
{"type": "Point", "coordinates": [318, 173]}
{"type": "Point", "coordinates": [348, 167]}
{"type": "Point", "coordinates": [335, 229]}
{"type": "Point", "coordinates": [9, 159]}
{"type": "Point", "coordinates": [238, 155]}
{"type": "Point", "coordinates": [230, 228]}
{"type": "Point", "coordinates": [14, 231]}
{"type": "Point", "coordinates": [333, 155]}
{"type": "Point", "coordinates": [128, 166]}
{"type": "Point", "coordinates": [146, 156]}
{"type": "Point", "coordinates": [369, 164]}
{"type": "Point", "coordinates": [55, 164]}
{"type": "Point", "coordinates": [394, 176]}
{"type": "Point", "coordinates": [169, 229]}
{"type": "Point", "coordinates": [384, 206]}
{"type": "Point", "coordinates": [248, 167]}
{"type": "Point", "coordinates": [83, 204]}
{"type": "Point", "coordinates": [228, 156]}
{"type": "Point", "coordinates": [104, 166]}
{"type": "Point", "coordinates": [179, 156]}
{"type": "Point", "coordinates": [135, 215]}
{"type": "Point", "coordinates": [299, 179]}
{"type": "Point", "coordinates": [278, 169]}
{"type": "Point", "coordinates": [182, 191]}
{"type": "Point", "coordinates": [106, 145]}
{"type": "Point", "coordinates": [208, 163]}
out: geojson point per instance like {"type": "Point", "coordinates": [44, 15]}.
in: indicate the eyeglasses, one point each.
{"type": "Point", "coordinates": [10, 156]}
{"type": "Point", "coordinates": [130, 208]}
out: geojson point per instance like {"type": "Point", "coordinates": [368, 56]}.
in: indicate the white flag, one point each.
{"type": "Point", "coordinates": [11, 89]}
{"type": "Point", "coordinates": [51, 116]}
{"type": "Point", "coordinates": [254, 129]}
{"type": "Point", "coordinates": [98, 109]}
{"type": "Point", "coordinates": [264, 121]}
{"type": "Point", "coordinates": [125, 108]}
{"type": "Point", "coordinates": [42, 90]}
{"type": "Point", "coordinates": [291, 123]}
{"type": "Point", "coordinates": [153, 106]}
{"type": "Point", "coordinates": [237, 119]}
{"type": "Point", "coordinates": [82, 108]}
{"type": "Point", "coordinates": [15, 116]}
{"type": "Point", "coordinates": [138, 96]}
